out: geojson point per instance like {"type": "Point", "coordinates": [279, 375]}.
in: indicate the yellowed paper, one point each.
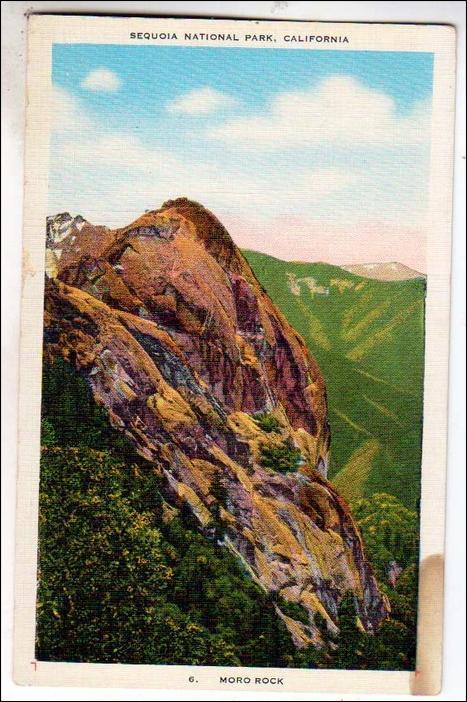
{"type": "Point", "coordinates": [240, 235]}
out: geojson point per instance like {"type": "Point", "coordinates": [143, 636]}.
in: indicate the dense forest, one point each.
{"type": "Point", "coordinates": [125, 577]}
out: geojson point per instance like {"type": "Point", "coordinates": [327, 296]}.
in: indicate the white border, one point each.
{"type": "Point", "coordinates": [268, 4]}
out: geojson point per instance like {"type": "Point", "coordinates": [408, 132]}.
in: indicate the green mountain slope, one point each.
{"type": "Point", "coordinates": [367, 336]}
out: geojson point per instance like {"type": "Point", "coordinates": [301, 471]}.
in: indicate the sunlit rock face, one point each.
{"type": "Point", "coordinates": [188, 353]}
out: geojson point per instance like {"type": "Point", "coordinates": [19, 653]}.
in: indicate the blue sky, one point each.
{"type": "Point", "coordinates": [328, 137]}
{"type": "Point", "coordinates": [153, 75]}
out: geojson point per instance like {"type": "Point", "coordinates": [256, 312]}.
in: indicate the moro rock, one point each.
{"type": "Point", "coordinates": [196, 365]}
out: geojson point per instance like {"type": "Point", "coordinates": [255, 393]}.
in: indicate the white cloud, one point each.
{"type": "Point", "coordinates": [153, 174]}
{"type": "Point", "coordinates": [201, 101]}
{"type": "Point", "coordinates": [101, 79]}
{"type": "Point", "coordinates": [68, 114]}
{"type": "Point", "coordinates": [110, 177]}
{"type": "Point", "coordinates": [317, 184]}
{"type": "Point", "coordinates": [340, 111]}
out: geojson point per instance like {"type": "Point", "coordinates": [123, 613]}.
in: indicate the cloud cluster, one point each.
{"type": "Point", "coordinates": [201, 101]}
{"type": "Point", "coordinates": [101, 79]}
{"type": "Point", "coordinates": [112, 176]}
{"type": "Point", "coordinates": [340, 111]}
{"type": "Point", "coordinates": [133, 175]}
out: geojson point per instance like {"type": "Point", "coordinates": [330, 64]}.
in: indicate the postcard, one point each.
{"type": "Point", "coordinates": [234, 355]}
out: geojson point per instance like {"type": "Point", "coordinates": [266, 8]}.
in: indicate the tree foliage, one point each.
{"type": "Point", "coordinates": [390, 533]}
{"type": "Point", "coordinates": [389, 529]}
{"type": "Point", "coordinates": [70, 411]}
{"type": "Point", "coordinates": [283, 458]}
{"type": "Point", "coordinates": [118, 582]}
{"type": "Point", "coordinates": [267, 422]}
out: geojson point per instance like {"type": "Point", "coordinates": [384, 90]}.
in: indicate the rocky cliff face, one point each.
{"type": "Point", "coordinates": [184, 349]}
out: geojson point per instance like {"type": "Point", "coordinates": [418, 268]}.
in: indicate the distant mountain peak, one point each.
{"type": "Point", "coordinates": [390, 270]}
{"type": "Point", "coordinates": [59, 226]}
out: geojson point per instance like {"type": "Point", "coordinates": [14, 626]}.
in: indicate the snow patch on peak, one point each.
{"type": "Point", "coordinates": [59, 226]}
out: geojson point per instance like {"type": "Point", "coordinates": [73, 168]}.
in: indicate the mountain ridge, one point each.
{"type": "Point", "coordinates": [368, 337]}
{"type": "Point", "coordinates": [386, 270]}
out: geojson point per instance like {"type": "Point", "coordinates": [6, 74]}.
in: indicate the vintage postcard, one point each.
{"type": "Point", "coordinates": [234, 355]}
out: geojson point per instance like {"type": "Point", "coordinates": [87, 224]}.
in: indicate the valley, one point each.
{"type": "Point", "coordinates": [367, 336]}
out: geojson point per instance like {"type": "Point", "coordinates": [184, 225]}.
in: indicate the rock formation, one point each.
{"type": "Point", "coordinates": [187, 352]}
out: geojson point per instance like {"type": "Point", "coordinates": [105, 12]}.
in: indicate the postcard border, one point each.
{"type": "Point", "coordinates": [439, 39]}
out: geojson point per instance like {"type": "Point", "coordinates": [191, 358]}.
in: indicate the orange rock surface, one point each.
{"type": "Point", "coordinates": [183, 347]}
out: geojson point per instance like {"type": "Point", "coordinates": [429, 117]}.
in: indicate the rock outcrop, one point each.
{"type": "Point", "coordinates": [187, 352]}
